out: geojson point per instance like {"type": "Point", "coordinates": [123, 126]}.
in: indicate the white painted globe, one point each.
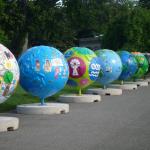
{"type": "Point", "coordinates": [9, 73]}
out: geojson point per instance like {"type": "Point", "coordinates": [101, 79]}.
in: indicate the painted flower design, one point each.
{"type": "Point", "coordinates": [84, 82]}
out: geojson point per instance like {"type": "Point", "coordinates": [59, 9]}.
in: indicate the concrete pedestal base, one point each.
{"type": "Point", "coordinates": [107, 91]}
{"type": "Point", "coordinates": [8, 124]}
{"type": "Point", "coordinates": [48, 109]}
{"type": "Point", "coordinates": [148, 80]}
{"type": "Point", "coordinates": [139, 83]}
{"type": "Point", "coordinates": [85, 98]}
{"type": "Point", "coordinates": [124, 86]}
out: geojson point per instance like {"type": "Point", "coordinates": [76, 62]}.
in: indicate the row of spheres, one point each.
{"type": "Point", "coordinates": [44, 70]}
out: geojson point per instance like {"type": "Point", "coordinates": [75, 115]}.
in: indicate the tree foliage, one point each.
{"type": "Point", "coordinates": [145, 3]}
{"type": "Point", "coordinates": [123, 24]}
{"type": "Point", "coordinates": [129, 30]}
{"type": "Point", "coordinates": [49, 25]}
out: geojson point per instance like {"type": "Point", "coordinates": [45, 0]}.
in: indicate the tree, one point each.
{"type": "Point", "coordinates": [48, 25]}
{"type": "Point", "coordinates": [129, 30]}
{"type": "Point", "coordinates": [87, 17]}
{"type": "Point", "coordinates": [146, 30]}
{"type": "Point", "coordinates": [144, 3]}
{"type": "Point", "coordinates": [115, 35]}
{"type": "Point", "coordinates": [3, 37]}
{"type": "Point", "coordinates": [46, 22]}
{"type": "Point", "coordinates": [12, 23]}
{"type": "Point", "coordinates": [43, 20]}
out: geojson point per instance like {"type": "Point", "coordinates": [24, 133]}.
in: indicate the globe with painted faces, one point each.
{"type": "Point", "coordinates": [43, 71]}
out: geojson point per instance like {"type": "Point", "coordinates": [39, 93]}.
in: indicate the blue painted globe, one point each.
{"type": "Point", "coordinates": [43, 71]}
{"type": "Point", "coordinates": [111, 66]}
{"type": "Point", "coordinates": [129, 64]}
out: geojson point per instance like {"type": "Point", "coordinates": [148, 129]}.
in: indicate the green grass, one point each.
{"type": "Point", "coordinates": [19, 97]}
{"type": "Point", "coordinates": [22, 97]}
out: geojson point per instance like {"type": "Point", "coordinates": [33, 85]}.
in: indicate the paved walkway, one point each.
{"type": "Point", "coordinates": [116, 123]}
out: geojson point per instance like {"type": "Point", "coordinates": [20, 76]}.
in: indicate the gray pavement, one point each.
{"type": "Point", "coordinates": [115, 123]}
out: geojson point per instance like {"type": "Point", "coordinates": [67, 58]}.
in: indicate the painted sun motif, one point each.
{"type": "Point", "coordinates": [8, 65]}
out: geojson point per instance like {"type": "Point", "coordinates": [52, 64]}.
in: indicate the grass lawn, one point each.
{"type": "Point", "coordinates": [19, 97]}
{"type": "Point", "coordinates": [22, 97]}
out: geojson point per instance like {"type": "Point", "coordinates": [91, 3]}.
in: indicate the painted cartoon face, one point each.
{"type": "Point", "coordinates": [8, 55]}
{"type": "Point", "coordinates": [47, 66]}
{"type": "Point", "coordinates": [57, 70]}
{"type": "Point", "coordinates": [37, 65]}
{"type": "Point", "coordinates": [108, 69]}
{"type": "Point", "coordinates": [77, 67]}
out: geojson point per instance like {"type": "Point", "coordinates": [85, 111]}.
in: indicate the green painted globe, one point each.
{"type": "Point", "coordinates": [84, 67]}
{"type": "Point", "coordinates": [142, 65]}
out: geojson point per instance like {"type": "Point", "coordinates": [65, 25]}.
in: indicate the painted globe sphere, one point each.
{"type": "Point", "coordinates": [43, 71]}
{"type": "Point", "coordinates": [111, 66]}
{"type": "Point", "coordinates": [147, 55]}
{"type": "Point", "coordinates": [129, 65]}
{"type": "Point", "coordinates": [142, 65]}
{"type": "Point", "coordinates": [84, 67]}
{"type": "Point", "coordinates": [9, 73]}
